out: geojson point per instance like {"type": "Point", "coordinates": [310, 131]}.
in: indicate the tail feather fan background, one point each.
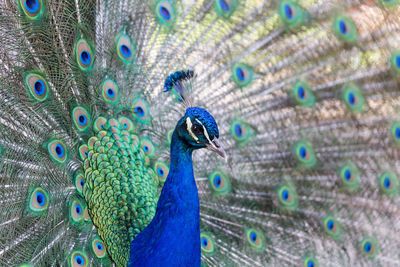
{"type": "Point", "coordinates": [306, 94]}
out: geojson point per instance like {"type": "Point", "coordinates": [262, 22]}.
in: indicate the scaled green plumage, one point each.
{"type": "Point", "coordinates": [120, 192]}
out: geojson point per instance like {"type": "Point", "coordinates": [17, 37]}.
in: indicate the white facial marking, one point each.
{"type": "Point", "coordinates": [205, 131]}
{"type": "Point", "coordinates": [189, 129]}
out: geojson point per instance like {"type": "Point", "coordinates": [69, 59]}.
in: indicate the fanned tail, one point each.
{"type": "Point", "coordinates": [305, 94]}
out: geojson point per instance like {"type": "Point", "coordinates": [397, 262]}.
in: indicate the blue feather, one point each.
{"type": "Point", "coordinates": [173, 235]}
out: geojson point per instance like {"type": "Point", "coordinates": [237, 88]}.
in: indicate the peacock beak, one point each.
{"type": "Point", "coordinates": [216, 147]}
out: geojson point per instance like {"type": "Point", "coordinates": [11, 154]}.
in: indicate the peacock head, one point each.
{"type": "Point", "coordinates": [198, 129]}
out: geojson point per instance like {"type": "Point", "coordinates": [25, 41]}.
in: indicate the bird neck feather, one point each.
{"type": "Point", "coordinates": [180, 185]}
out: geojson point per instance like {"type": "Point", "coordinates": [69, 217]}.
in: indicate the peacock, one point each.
{"type": "Point", "coordinates": [199, 133]}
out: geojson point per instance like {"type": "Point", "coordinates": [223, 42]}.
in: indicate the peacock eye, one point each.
{"type": "Point", "coordinates": [197, 129]}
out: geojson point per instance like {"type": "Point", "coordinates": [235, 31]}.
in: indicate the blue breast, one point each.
{"type": "Point", "coordinates": [173, 236]}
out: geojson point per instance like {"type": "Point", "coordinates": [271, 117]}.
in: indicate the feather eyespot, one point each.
{"type": "Point", "coordinates": [291, 13]}
{"type": "Point", "coordinates": [165, 12]}
{"type": "Point", "coordinates": [76, 211]}
{"type": "Point", "coordinates": [98, 248]}
{"type": "Point", "coordinates": [78, 259]}
{"type": "Point", "coordinates": [302, 94]}
{"type": "Point", "coordinates": [345, 29]}
{"type": "Point", "coordinates": [353, 98]}
{"type": "Point", "coordinates": [388, 183]}
{"type": "Point", "coordinates": [219, 183]}
{"type": "Point", "coordinates": [161, 170]}
{"type": "Point", "coordinates": [332, 227]}
{"type": "Point", "coordinates": [37, 86]}
{"type": "Point", "coordinates": [369, 247]}
{"type": "Point", "coordinates": [147, 147]}
{"type": "Point", "coordinates": [81, 118]}
{"type": "Point", "coordinates": [79, 181]}
{"type": "Point", "coordinates": [38, 200]}
{"type": "Point", "coordinates": [140, 111]}
{"type": "Point", "coordinates": [125, 48]}
{"type": "Point", "coordinates": [99, 124]}
{"type": "Point", "coordinates": [57, 151]}
{"type": "Point", "coordinates": [287, 197]}
{"type": "Point", "coordinates": [33, 9]}
{"type": "Point", "coordinates": [226, 7]}
{"type": "Point", "coordinates": [84, 55]}
{"type": "Point", "coordinates": [310, 262]}
{"type": "Point", "coordinates": [242, 74]}
{"type": "Point", "coordinates": [349, 175]}
{"type": "Point", "coordinates": [207, 244]}
{"type": "Point", "coordinates": [305, 154]}
{"type": "Point", "coordinates": [255, 239]}
{"type": "Point", "coordinates": [240, 131]}
{"type": "Point", "coordinates": [126, 124]}
{"type": "Point", "coordinates": [110, 91]}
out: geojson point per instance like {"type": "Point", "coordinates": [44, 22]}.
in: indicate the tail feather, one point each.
{"type": "Point", "coordinates": [305, 94]}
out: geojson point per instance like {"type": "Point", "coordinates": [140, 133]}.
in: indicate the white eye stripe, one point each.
{"type": "Point", "coordinates": [205, 131]}
{"type": "Point", "coordinates": [189, 128]}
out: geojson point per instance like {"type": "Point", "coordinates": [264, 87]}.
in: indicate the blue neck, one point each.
{"type": "Point", "coordinates": [173, 236]}
{"type": "Point", "coordinates": [180, 184]}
